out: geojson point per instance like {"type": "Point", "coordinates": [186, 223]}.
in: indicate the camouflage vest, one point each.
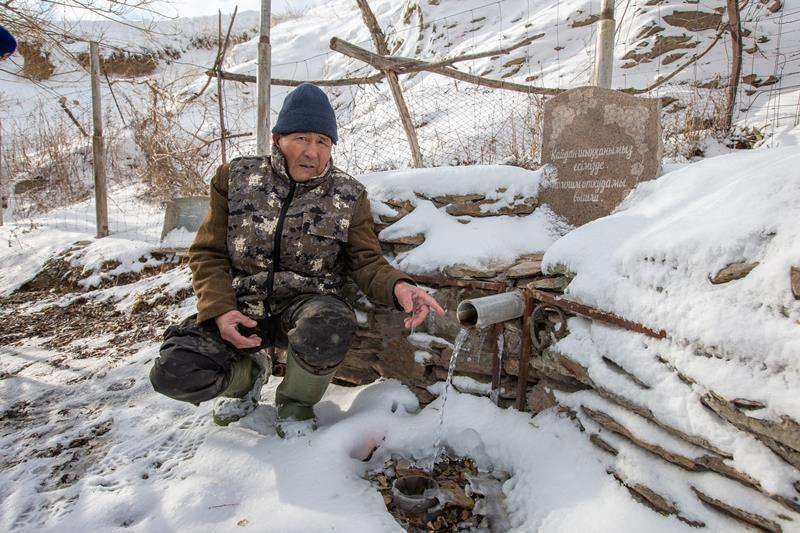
{"type": "Point", "coordinates": [312, 220]}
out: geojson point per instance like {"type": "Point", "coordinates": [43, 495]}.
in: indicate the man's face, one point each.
{"type": "Point", "coordinates": [307, 154]}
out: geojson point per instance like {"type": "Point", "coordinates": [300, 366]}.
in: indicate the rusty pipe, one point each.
{"type": "Point", "coordinates": [492, 309]}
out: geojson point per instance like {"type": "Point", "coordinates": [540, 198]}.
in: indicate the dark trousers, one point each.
{"type": "Point", "coordinates": [194, 363]}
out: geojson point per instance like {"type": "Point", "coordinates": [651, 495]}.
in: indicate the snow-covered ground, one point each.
{"type": "Point", "coordinates": [85, 443]}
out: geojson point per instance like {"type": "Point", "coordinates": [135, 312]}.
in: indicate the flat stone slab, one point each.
{"type": "Point", "coordinates": [598, 144]}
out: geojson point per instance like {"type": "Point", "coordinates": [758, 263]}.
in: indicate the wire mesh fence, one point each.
{"type": "Point", "coordinates": [456, 123]}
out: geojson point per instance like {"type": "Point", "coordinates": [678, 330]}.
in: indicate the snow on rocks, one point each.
{"type": "Point", "coordinates": [705, 253]}
{"type": "Point", "coordinates": [479, 218]}
{"type": "Point", "coordinates": [654, 260]}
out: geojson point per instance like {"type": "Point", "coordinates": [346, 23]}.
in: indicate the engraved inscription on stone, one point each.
{"type": "Point", "coordinates": [598, 144]}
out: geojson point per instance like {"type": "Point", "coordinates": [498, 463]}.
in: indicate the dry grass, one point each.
{"type": "Point", "coordinates": [37, 66]}
{"type": "Point", "coordinates": [176, 161]}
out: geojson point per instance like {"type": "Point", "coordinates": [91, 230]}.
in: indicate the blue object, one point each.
{"type": "Point", "coordinates": [307, 108]}
{"type": "Point", "coordinates": [8, 45]}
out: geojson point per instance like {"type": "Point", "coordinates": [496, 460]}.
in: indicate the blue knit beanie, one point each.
{"type": "Point", "coordinates": [7, 42]}
{"type": "Point", "coordinates": [307, 108]}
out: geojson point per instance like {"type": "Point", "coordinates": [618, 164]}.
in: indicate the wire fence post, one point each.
{"type": "Point", "coordinates": [3, 193]}
{"type": "Point", "coordinates": [220, 102]}
{"type": "Point", "coordinates": [604, 54]}
{"type": "Point", "coordinates": [101, 198]}
{"type": "Point", "coordinates": [736, 61]}
{"type": "Point", "coordinates": [264, 80]}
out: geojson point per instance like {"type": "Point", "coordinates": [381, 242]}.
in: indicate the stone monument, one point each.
{"type": "Point", "coordinates": [597, 145]}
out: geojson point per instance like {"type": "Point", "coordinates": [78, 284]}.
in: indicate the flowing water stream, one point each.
{"type": "Point", "coordinates": [459, 343]}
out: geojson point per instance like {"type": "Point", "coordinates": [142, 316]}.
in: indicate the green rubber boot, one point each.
{"type": "Point", "coordinates": [241, 397]}
{"type": "Point", "coordinates": [296, 396]}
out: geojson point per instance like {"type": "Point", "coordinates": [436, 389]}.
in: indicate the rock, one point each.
{"type": "Point", "coordinates": [398, 249]}
{"type": "Point", "coordinates": [456, 495]}
{"type": "Point", "coordinates": [741, 515]}
{"type": "Point", "coordinates": [732, 272]}
{"type": "Point", "coordinates": [524, 269]}
{"type": "Point", "coordinates": [597, 145]}
{"type": "Point", "coordinates": [794, 276]}
{"type": "Point", "coordinates": [561, 270]}
{"type": "Point", "coordinates": [748, 405]}
{"type": "Point", "coordinates": [347, 375]}
{"type": "Point", "coordinates": [399, 205]}
{"type": "Point", "coordinates": [541, 397]}
{"type": "Point", "coordinates": [414, 240]}
{"type": "Point", "coordinates": [474, 210]}
{"type": "Point", "coordinates": [387, 219]}
{"type": "Point", "coordinates": [441, 201]}
{"type": "Point", "coordinates": [595, 439]}
{"type": "Point", "coordinates": [558, 283]}
{"type": "Point", "coordinates": [423, 395]}
{"type": "Point", "coordinates": [404, 468]}
{"type": "Point", "coordinates": [463, 271]}
{"type": "Point", "coordinates": [649, 31]}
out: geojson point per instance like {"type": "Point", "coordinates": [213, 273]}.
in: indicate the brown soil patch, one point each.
{"type": "Point", "coordinates": [662, 46]}
{"type": "Point", "coordinates": [85, 319]}
{"type": "Point", "coordinates": [694, 20]}
{"type": "Point", "coordinates": [591, 19]}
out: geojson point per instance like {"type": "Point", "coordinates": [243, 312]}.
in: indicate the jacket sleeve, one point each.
{"type": "Point", "coordinates": [208, 255]}
{"type": "Point", "coordinates": [366, 264]}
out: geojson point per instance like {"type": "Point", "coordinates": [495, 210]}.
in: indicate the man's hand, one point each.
{"type": "Point", "coordinates": [417, 302]}
{"type": "Point", "coordinates": [227, 322]}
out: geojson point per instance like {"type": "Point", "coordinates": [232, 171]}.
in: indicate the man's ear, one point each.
{"type": "Point", "coordinates": [275, 137]}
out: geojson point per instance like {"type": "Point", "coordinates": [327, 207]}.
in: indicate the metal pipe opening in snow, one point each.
{"type": "Point", "coordinates": [488, 310]}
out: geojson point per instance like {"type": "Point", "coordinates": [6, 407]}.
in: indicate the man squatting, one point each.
{"type": "Point", "coordinates": [268, 266]}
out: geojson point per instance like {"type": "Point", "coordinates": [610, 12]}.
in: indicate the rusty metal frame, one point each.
{"type": "Point", "coordinates": [535, 299]}
{"type": "Point", "coordinates": [525, 355]}
{"type": "Point", "coordinates": [594, 314]}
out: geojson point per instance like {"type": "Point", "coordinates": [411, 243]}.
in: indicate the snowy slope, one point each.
{"type": "Point", "coordinates": [457, 122]}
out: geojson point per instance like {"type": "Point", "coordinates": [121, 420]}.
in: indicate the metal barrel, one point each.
{"type": "Point", "coordinates": [488, 310]}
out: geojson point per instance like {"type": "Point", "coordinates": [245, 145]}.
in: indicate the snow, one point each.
{"type": "Point", "coordinates": [421, 357]}
{"type": "Point", "coordinates": [88, 445]}
{"type": "Point", "coordinates": [135, 225]}
{"type": "Point", "coordinates": [163, 466]}
{"type": "Point", "coordinates": [482, 242]}
{"type": "Point", "coordinates": [652, 260]}
{"type": "Point", "coordinates": [486, 180]}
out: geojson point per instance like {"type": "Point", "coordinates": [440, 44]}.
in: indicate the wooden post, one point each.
{"type": "Point", "coordinates": [219, 91]}
{"type": "Point", "coordinates": [263, 81]}
{"type": "Point", "coordinates": [3, 194]}
{"type": "Point", "coordinates": [101, 205]}
{"type": "Point", "coordinates": [736, 62]}
{"type": "Point", "coordinates": [394, 84]}
{"type": "Point", "coordinates": [221, 50]}
{"type": "Point", "coordinates": [604, 50]}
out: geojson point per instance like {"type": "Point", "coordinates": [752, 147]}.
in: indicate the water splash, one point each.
{"type": "Point", "coordinates": [461, 338]}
